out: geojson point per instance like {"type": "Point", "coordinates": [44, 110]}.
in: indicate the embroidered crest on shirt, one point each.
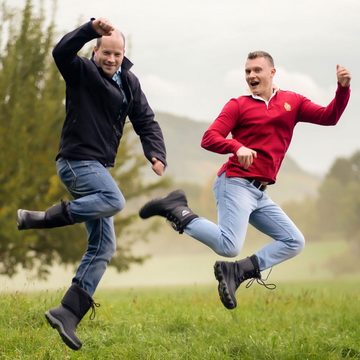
{"type": "Point", "coordinates": [287, 106]}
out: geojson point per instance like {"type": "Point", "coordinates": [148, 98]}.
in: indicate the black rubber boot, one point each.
{"type": "Point", "coordinates": [56, 216]}
{"type": "Point", "coordinates": [65, 318]}
{"type": "Point", "coordinates": [173, 207]}
{"type": "Point", "coordinates": [231, 274]}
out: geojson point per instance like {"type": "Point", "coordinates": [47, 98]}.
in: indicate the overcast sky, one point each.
{"type": "Point", "coordinates": [190, 54]}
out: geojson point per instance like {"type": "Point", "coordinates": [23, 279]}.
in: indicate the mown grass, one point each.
{"type": "Point", "coordinates": [296, 321]}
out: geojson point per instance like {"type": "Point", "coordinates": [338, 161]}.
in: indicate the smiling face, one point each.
{"type": "Point", "coordinates": [259, 73]}
{"type": "Point", "coordinates": [109, 53]}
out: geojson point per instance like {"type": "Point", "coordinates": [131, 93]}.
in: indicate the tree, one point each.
{"type": "Point", "coordinates": [339, 200]}
{"type": "Point", "coordinates": [335, 212]}
{"type": "Point", "coordinates": [340, 195]}
{"type": "Point", "coordinates": [31, 117]}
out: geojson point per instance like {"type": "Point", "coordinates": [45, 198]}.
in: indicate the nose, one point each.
{"type": "Point", "coordinates": [111, 58]}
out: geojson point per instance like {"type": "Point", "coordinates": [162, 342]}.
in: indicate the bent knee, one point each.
{"type": "Point", "coordinates": [298, 244]}
{"type": "Point", "coordinates": [230, 251]}
{"type": "Point", "coordinates": [115, 203]}
{"type": "Point", "coordinates": [118, 205]}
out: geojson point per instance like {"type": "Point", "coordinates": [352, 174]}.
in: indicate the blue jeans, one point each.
{"type": "Point", "coordinates": [240, 203]}
{"type": "Point", "coordinates": [96, 199]}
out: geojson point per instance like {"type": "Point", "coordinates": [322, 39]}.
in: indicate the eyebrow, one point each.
{"type": "Point", "coordinates": [255, 68]}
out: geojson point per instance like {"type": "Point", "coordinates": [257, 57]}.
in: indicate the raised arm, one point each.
{"type": "Point", "coordinates": [65, 52]}
{"type": "Point", "coordinates": [328, 115]}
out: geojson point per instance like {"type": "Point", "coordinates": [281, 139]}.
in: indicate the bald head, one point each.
{"type": "Point", "coordinates": [115, 34]}
{"type": "Point", "coordinates": [109, 52]}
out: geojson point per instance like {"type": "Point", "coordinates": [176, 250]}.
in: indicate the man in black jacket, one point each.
{"type": "Point", "coordinates": [100, 93]}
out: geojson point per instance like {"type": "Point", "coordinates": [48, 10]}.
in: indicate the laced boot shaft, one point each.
{"type": "Point", "coordinates": [56, 216]}
{"type": "Point", "coordinates": [173, 207]}
{"type": "Point", "coordinates": [246, 269]}
{"type": "Point", "coordinates": [180, 217]}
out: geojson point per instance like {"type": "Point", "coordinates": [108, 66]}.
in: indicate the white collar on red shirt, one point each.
{"type": "Point", "coordinates": [275, 90]}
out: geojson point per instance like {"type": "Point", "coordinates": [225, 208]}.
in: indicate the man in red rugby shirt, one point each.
{"type": "Point", "coordinates": [261, 126]}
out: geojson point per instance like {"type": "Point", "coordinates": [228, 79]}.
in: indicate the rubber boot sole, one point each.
{"type": "Point", "coordinates": [57, 325]}
{"type": "Point", "coordinates": [19, 221]}
{"type": "Point", "coordinates": [223, 290]}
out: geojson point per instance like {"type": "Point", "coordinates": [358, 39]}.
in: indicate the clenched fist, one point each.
{"type": "Point", "coordinates": [103, 27]}
{"type": "Point", "coordinates": [343, 76]}
{"type": "Point", "coordinates": [246, 156]}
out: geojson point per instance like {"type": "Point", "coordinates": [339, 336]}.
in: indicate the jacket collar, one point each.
{"type": "Point", "coordinates": [126, 64]}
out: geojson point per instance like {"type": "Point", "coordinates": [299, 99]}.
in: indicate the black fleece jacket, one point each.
{"type": "Point", "coordinates": [94, 121]}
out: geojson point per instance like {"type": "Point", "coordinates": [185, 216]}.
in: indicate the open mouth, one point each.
{"type": "Point", "coordinates": [254, 83]}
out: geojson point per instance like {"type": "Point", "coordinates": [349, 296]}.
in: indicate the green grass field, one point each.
{"type": "Point", "coordinates": [315, 320]}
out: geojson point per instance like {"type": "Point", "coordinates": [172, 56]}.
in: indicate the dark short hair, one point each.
{"type": "Point", "coordinates": [259, 53]}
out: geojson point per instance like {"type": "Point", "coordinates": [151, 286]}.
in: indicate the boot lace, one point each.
{"type": "Point", "coordinates": [261, 281]}
{"type": "Point", "coordinates": [93, 306]}
{"type": "Point", "coordinates": [175, 223]}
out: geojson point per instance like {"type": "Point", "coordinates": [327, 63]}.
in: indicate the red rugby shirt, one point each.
{"type": "Point", "coordinates": [267, 129]}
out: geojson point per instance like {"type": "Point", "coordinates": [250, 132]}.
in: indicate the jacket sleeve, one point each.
{"type": "Point", "coordinates": [325, 115]}
{"type": "Point", "coordinates": [65, 52]}
{"type": "Point", "coordinates": [149, 131]}
{"type": "Point", "coordinates": [215, 137]}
